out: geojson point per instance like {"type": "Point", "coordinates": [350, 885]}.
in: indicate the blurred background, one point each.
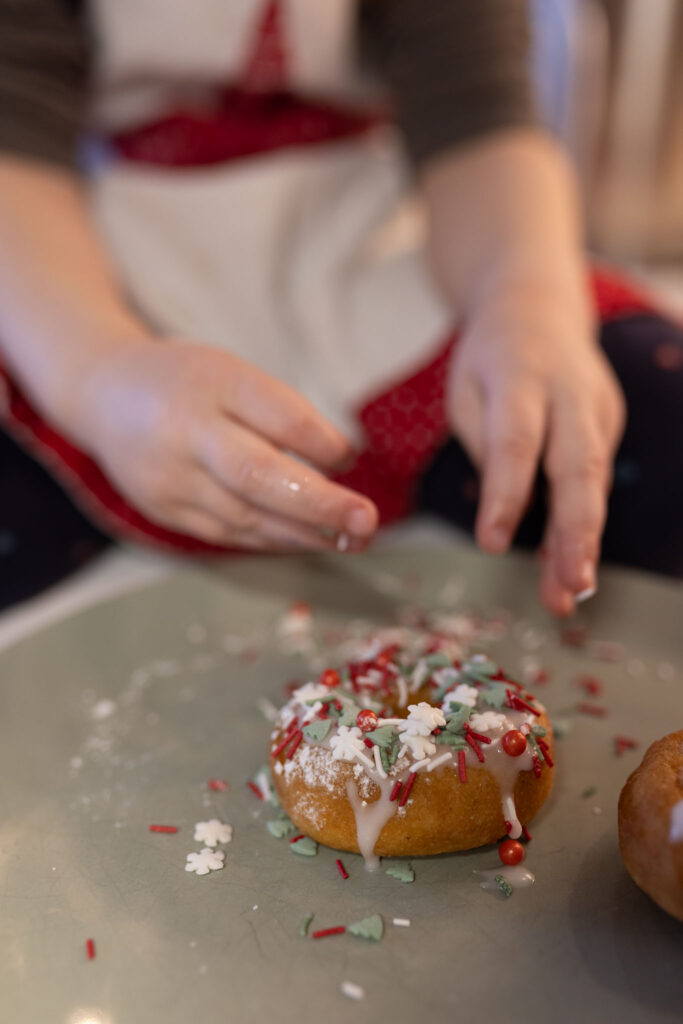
{"type": "Point", "coordinates": [610, 79]}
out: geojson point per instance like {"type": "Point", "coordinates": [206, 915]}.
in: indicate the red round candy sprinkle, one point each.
{"type": "Point", "coordinates": [330, 677]}
{"type": "Point", "coordinates": [366, 720]}
{"type": "Point", "coordinates": [300, 608]}
{"type": "Point", "coordinates": [385, 657]}
{"type": "Point", "coordinates": [511, 852]}
{"type": "Point", "coordinates": [514, 742]}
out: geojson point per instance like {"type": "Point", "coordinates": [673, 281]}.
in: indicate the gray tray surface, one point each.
{"type": "Point", "coordinates": [115, 719]}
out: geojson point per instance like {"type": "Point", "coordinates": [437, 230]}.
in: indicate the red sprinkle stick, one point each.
{"type": "Point", "coordinates": [545, 750]}
{"type": "Point", "coordinates": [591, 685]}
{"type": "Point", "coordinates": [220, 785]}
{"type": "Point", "coordinates": [341, 869]}
{"type": "Point", "coordinates": [477, 735]}
{"type": "Point", "coordinates": [339, 930]}
{"type": "Point", "coordinates": [163, 828]}
{"type": "Point", "coordinates": [526, 833]}
{"type": "Point", "coordinates": [624, 743]}
{"type": "Point", "coordinates": [475, 746]}
{"type": "Point", "coordinates": [508, 826]}
{"type": "Point", "coordinates": [592, 709]}
{"type": "Point", "coordinates": [255, 790]}
{"type": "Point", "coordinates": [521, 705]}
{"type": "Point", "coordinates": [283, 743]}
{"type": "Point", "coordinates": [298, 736]}
{"type": "Point", "coordinates": [90, 948]}
{"type": "Point", "coordinates": [396, 789]}
{"type": "Point", "coordinates": [536, 764]}
{"type": "Point", "coordinates": [295, 839]}
{"type": "Point", "coordinates": [408, 786]}
{"type": "Point", "coordinates": [462, 770]}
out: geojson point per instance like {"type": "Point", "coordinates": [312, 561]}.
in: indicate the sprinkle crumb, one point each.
{"type": "Point", "coordinates": [305, 925]}
{"type": "Point", "coordinates": [597, 810]}
{"type": "Point", "coordinates": [589, 792]}
{"type": "Point", "coordinates": [597, 710]}
{"type": "Point", "coordinates": [341, 869]}
{"type": "Point", "coordinates": [352, 991]}
{"type": "Point", "coordinates": [90, 948]}
{"type": "Point", "coordinates": [503, 885]}
{"type": "Point", "coordinates": [401, 922]}
{"type": "Point", "coordinates": [323, 933]}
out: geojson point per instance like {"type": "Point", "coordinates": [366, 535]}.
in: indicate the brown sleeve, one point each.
{"type": "Point", "coordinates": [43, 78]}
{"type": "Point", "coordinates": [458, 68]}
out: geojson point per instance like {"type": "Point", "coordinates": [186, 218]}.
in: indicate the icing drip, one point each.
{"type": "Point", "coordinates": [517, 876]}
{"type": "Point", "coordinates": [505, 770]}
{"type": "Point", "coordinates": [371, 819]}
{"type": "Point", "coordinates": [676, 827]}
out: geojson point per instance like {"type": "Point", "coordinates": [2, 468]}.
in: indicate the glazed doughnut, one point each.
{"type": "Point", "coordinates": [651, 824]}
{"type": "Point", "coordinates": [398, 755]}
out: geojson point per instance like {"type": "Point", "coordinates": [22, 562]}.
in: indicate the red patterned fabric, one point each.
{"type": "Point", "coordinates": [243, 124]}
{"type": "Point", "coordinates": [404, 425]}
{"type": "Point", "coordinates": [266, 67]}
{"type": "Point", "coordinates": [616, 296]}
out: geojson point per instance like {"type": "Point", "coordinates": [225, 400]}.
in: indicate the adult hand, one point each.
{"type": "Point", "coordinates": [200, 442]}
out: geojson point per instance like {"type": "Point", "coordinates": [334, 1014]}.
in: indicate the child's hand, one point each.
{"type": "Point", "coordinates": [529, 385]}
{"type": "Point", "coordinates": [197, 440]}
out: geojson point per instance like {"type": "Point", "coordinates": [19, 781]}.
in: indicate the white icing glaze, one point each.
{"type": "Point", "coordinates": [505, 769]}
{"type": "Point", "coordinates": [516, 875]}
{"type": "Point", "coordinates": [371, 819]}
{"type": "Point", "coordinates": [676, 826]}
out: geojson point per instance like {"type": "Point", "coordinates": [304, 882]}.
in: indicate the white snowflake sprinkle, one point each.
{"type": "Point", "coordinates": [487, 721]}
{"type": "Point", "coordinates": [420, 747]}
{"type": "Point", "coordinates": [212, 832]}
{"type": "Point", "coordinates": [205, 861]}
{"type": "Point", "coordinates": [347, 745]}
{"type": "Point", "coordinates": [311, 691]}
{"type": "Point", "coordinates": [423, 719]}
{"type": "Point", "coordinates": [465, 694]}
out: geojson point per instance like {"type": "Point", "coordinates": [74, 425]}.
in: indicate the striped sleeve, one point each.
{"type": "Point", "coordinates": [458, 69]}
{"type": "Point", "coordinates": [43, 78]}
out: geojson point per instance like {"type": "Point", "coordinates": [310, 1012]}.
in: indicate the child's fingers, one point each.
{"type": "Point", "coordinates": [578, 466]}
{"type": "Point", "coordinates": [515, 430]}
{"type": "Point", "coordinates": [277, 412]}
{"type": "Point", "coordinates": [467, 413]}
{"type": "Point", "coordinates": [244, 525]}
{"type": "Point", "coordinates": [554, 595]}
{"type": "Point", "coordinates": [260, 475]}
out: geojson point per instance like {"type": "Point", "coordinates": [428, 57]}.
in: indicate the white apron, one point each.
{"type": "Point", "coordinates": [307, 262]}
